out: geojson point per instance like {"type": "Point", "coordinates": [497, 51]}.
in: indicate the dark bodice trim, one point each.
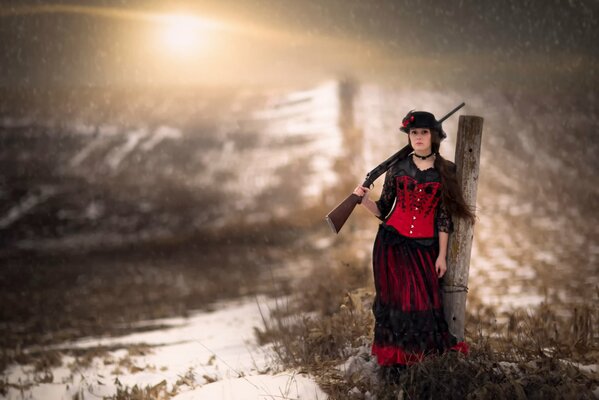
{"type": "Point", "coordinates": [407, 166]}
{"type": "Point", "coordinates": [390, 236]}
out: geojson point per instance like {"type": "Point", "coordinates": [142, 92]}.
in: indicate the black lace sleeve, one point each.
{"type": "Point", "coordinates": [388, 194]}
{"type": "Point", "coordinates": [444, 221]}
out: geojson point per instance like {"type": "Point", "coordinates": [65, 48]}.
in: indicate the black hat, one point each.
{"type": "Point", "coordinates": [421, 119]}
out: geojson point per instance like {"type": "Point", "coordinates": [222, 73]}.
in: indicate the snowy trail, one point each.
{"type": "Point", "coordinates": [210, 355]}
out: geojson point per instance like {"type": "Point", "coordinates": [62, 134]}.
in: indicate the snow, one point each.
{"type": "Point", "coordinates": [118, 154]}
{"type": "Point", "coordinates": [87, 150]}
{"type": "Point", "coordinates": [25, 205]}
{"type": "Point", "coordinates": [163, 132]}
{"type": "Point", "coordinates": [216, 350]}
{"type": "Point", "coordinates": [138, 138]}
{"type": "Point", "coordinates": [257, 387]}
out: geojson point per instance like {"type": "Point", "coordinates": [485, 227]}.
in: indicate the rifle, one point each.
{"type": "Point", "coordinates": [337, 217]}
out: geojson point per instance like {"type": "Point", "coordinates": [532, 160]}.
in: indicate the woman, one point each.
{"type": "Point", "coordinates": [419, 197]}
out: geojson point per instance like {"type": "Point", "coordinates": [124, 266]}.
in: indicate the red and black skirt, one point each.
{"type": "Point", "coordinates": [408, 306]}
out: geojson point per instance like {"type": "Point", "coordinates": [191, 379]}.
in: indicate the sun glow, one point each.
{"type": "Point", "coordinates": [185, 34]}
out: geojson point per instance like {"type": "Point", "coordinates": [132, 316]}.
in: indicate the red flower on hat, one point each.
{"type": "Point", "coordinates": [411, 118]}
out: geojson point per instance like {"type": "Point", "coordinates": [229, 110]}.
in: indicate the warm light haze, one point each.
{"type": "Point", "coordinates": [183, 34]}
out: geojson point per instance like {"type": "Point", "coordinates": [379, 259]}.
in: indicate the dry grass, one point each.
{"type": "Point", "coordinates": [51, 300]}
{"type": "Point", "coordinates": [319, 339]}
{"type": "Point", "coordinates": [150, 392]}
{"type": "Point", "coordinates": [483, 376]}
{"type": "Point", "coordinates": [85, 358]}
{"type": "Point", "coordinates": [564, 331]}
{"type": "Point", "coordinates": [326, 329]}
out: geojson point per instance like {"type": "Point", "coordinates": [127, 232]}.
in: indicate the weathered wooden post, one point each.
{"type": "Point", "coordinates": [455, 287]}
{"type": "Point", "coordinates": [353, 137]}
{"type": "Point", "coordinates": [351, 163]}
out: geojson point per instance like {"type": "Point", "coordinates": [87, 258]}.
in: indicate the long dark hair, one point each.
{"type": "Point", "coordinates": [451, 192]}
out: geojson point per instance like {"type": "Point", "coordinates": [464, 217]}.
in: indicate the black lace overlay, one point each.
{"type": "Point", "coordinates": [388, 194]}
{"type": "Point", "coordinates": [413, 331]}
{"type": "Point", "coordinates": [443, 220]}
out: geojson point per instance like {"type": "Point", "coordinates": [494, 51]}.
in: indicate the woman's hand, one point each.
{"type": "Point", "coordinates": [440, 266]}
{"type": "Point", "coordinates": [362, 192]}
{"type": "Point", "coordinates": [370, 205]}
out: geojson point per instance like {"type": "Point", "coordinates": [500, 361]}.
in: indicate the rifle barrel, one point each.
{"type": "Point", "coordinates": [449, 114]}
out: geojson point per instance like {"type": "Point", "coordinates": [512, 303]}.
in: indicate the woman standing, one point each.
{"type": "Point", "coordinates": [419, 197]}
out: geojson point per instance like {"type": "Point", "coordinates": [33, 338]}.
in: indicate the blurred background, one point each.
{"type": "Point", "coordinates": [158, 156]}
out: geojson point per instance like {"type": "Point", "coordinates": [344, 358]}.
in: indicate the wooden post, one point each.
{"type": "Point", "coordinates": [455, 287]}
{"type": "Point", "coordinates": [353, 137]}
{"type": "Point", "coordinates": [350, 165]}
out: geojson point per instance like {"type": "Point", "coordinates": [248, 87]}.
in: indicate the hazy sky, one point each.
{"type": "Point", "coordinates": [121, 42]}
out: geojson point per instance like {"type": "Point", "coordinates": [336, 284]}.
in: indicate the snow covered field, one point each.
{"type": "Point", "coordinates": [210, 355]}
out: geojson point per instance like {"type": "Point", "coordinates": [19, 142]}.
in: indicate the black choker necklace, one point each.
{"type": "Point", "coordinates": [423, 157]}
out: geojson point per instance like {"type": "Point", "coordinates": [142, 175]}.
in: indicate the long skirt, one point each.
{"type": "Point", "coordinates": [408, 306]}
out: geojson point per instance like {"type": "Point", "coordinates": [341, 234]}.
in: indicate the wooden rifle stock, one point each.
{"type": "Point", "coordinates": [341, 213]}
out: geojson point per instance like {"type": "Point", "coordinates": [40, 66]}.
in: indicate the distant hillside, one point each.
{"type": "Point", "coordinates": [104, 167]}
{"type": "Point", "coordinates": [105, 170]}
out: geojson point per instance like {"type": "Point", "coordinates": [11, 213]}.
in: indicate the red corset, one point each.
{"type": "Point", "coordinates": [414, 212]}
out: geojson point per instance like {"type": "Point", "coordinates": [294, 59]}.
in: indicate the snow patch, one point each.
{"type": "Point", "coordinates": [216, 350]}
